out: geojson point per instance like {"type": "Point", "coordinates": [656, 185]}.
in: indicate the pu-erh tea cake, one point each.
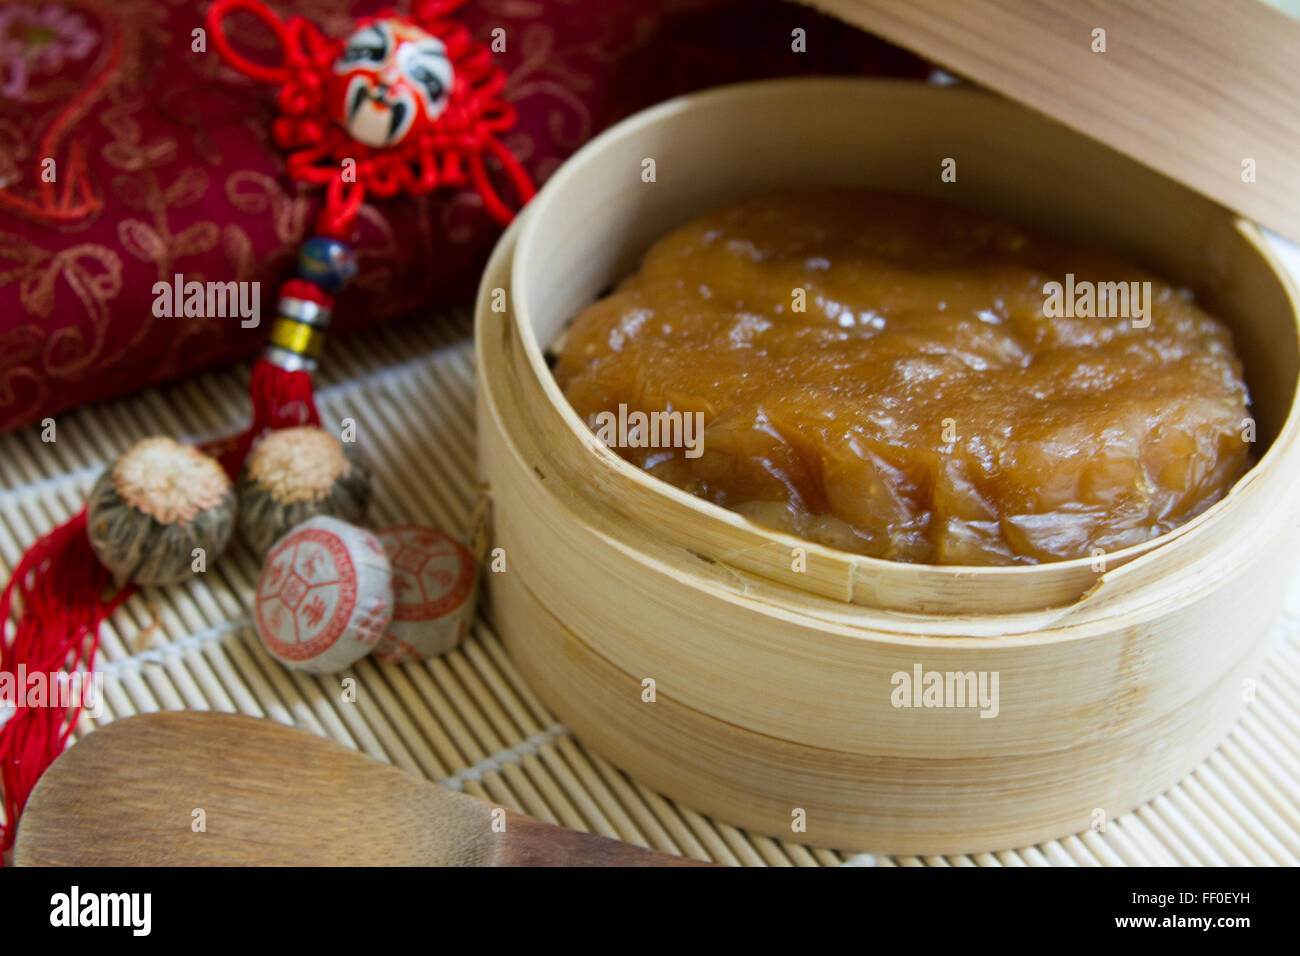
{"type": "Point", "coordinates": [324, 597]}
{"type": "Point", "coordinates": [434, 583]}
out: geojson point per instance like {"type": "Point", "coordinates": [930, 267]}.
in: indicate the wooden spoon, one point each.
{"type": "Point", "coordinates": [130, 794]}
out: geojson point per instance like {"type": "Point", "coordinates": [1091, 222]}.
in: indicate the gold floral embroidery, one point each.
{"type": "Point", "coordinates": [94, 275]}
{"type": "Point", "coordinates": [256, 193]}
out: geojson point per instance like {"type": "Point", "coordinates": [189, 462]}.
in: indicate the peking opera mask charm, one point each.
{"type": "Point", "coordinates": [391, 82]}
{"type": "Point", "coordinates": [400, 105]}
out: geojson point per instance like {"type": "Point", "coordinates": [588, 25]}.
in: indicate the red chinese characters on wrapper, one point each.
{"type": "Point", "coordinates": [435, 579]}
{"type": "Point", "coordinates": [325, 596]}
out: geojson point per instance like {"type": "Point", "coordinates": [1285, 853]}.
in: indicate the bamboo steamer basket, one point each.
{"type": "Point", "coordinates": [772, 687]}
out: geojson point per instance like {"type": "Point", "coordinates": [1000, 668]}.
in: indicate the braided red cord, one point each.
{"type": "Point", "coordinates": [263, 74]}
{"type": "Point", "coordinates": [342, 201]}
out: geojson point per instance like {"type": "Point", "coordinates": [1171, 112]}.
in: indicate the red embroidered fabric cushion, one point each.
{"type": "Point", "coordinates": [161, 163]}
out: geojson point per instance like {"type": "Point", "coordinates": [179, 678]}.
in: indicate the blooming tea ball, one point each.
{"type": "Point", "coordinates": [324, 597]}
{"type": "Point", "coordinates": [154, 506]}
{"type": "Point", "coordinates": [294, 474]}
{"type": "Point", "coordinates": [434, 583]}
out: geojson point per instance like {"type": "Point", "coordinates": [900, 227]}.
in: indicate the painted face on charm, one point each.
{"type": "Point", "coordinates": [391, 80]}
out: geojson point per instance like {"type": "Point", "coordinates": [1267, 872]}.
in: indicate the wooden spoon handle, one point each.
{"type": "Point", "coordinates": [535, 843]}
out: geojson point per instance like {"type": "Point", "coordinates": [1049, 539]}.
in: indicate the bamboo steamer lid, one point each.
{"type": "Point", "coordinates": [1204, 91]}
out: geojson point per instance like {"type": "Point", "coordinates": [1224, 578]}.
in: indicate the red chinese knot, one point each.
{"type": "Point", "coordinates": [401, 105]}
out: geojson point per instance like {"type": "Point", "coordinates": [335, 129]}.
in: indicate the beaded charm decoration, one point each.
{"type": "Point", "coordinates": [401, 105]}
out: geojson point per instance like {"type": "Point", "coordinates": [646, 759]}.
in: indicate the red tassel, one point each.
{"type": "Point", "coordinates": [63, 596]}
{"type": "Point", "coordinates": [280, 400]}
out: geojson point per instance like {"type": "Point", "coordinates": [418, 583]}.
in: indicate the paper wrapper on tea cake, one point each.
{"type": "Point", "coordinates": [434, 583]}
{"type": "Point", "coordinates": [325, 596]}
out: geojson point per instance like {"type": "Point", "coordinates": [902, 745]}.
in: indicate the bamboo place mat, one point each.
{"type": "Point", "coordinates": [467, 719]}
